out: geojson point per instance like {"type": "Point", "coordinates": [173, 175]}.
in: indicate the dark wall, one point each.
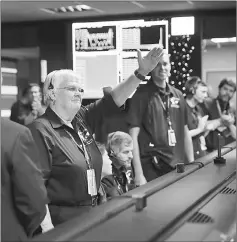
{"type": "Point", "coordinates": [50, 37]}
{"type": "Point", "coordinates": [219, 27]}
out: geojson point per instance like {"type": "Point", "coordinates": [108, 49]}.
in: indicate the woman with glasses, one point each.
{"type": "Point", "coordinates": [70, 159]}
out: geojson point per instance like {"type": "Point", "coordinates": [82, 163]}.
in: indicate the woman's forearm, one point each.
{"type": "Point", "coordinates": [123, 90]}
{"type": "Point", "coordinates": [145, 65]}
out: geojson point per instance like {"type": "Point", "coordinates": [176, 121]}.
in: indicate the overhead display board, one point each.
{"type": "Point", "coordinates": [104, 53]}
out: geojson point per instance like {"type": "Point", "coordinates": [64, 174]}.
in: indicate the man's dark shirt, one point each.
{"type": "Point", "coordinates": [193, 124]}
{"type": "Point", "coordinates": [210, 108]}
{"type": "Point", "coordinates": [147, 113]}
{"type": "Point", "coordinates": [23, 194]}
{"type": "Point", "coordinates": [120, 182]}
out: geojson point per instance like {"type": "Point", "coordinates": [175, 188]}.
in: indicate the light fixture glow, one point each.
{"type": "Point", "coordinates": [70, 8]}
{"type": "Point", "coordinates": [9, 90]}
{"type": "Point", "coordinates": [5, 113]}
{"type": "Point", "coordinates": [223, 40]}
{"type": "Point", "coordinates": [85, 7]}
{"type": "Point", "coordinates": [8, 70]}
{"type": "Point", "coordinates": [182, 26]}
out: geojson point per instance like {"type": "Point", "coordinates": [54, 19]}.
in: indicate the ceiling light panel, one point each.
{"type": "Point", "coordinates": [68, 9]}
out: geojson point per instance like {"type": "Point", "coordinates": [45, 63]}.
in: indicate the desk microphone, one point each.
{"type": "Point", "coordinates": [219, 159]}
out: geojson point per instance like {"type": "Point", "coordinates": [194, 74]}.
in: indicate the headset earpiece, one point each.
{"type": "Point", "coordinates": [52, 95]}
{"type": "Point", "coordinates": [112, 153]}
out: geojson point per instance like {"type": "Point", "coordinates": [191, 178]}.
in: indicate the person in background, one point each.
{"type": "Point", "coordinates": [29, 107]}
{"type": "Point", "coordinates": [24, 209]}
{"type": "Point", "coordinates": [23, 194]}
{"type": "Point", "coordinates": [221, 115]}
{"type": "Point", "coordinates": [196, 92]}
{"type": "Point", "coordinates": [119, 147]}
{"type": "Point", "coordinates": [70, 159]}
{"type": "Point", "coordinates": [157, 120]}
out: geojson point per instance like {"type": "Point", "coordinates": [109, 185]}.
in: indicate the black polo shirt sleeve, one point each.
{"type": "Point", "coordinates": [137, 108]}
{"type": "Point", "coordinates": [95, 112]}
{"type": "Point", "coordinates": [45, 143]}
{"type": "Point", "coordinates": [29, 191]}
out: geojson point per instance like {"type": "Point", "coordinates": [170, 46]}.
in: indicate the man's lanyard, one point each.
{"type": "Point", "coordinates": [83, 148]}
{"type": "Point", "coordinates": [166, 109]}
{"type": "Point", "coordinates": [219, 108]}
{"type": "Point", "coordinates": [195, 114]}
{"type": "Point", "coordinates": [127, 181]}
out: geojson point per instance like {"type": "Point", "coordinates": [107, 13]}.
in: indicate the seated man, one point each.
{"type": "Point", "coordinates": [119, 148]}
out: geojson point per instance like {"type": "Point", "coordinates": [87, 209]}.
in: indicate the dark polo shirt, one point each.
{"type": "Point", "coordinates": [193, 124]}
{"type": "Point", "coordinates": [210, 108]}
{"type": "Point", "coordinates": [120, 182]}
{"type": "Point", "coordinates": [66, 177]}
{"type": "Point", "coordinates": [146, 112]}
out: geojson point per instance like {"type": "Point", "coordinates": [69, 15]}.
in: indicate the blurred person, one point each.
{"type": "Point", "coordinates": [221, 115]}
{"type": "Point", "coordinates": [119, 147]}
{"type": "Point", "coordinates": [24, 200]}
{"type": "Point", "coordinates": [23, 194]}
{"type": "Point", "coordinates": [70, 159]}
{"type": "Point", "coordinates": [29, 107]}
{"type": "Point", "coordinates": [24, 210]}
{"type": "Point", "coordinates": [196, 92]}
{"type": "Point", "coordinates": [157, 120]}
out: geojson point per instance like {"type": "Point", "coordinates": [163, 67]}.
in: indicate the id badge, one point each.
{"type": "Point", "coordinates": [91, 182]}
{"type": "Point", "coordinates": [171, 137]}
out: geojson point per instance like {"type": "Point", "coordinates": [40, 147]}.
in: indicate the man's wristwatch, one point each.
{"type": "Point", "coordinates": [139, 76]}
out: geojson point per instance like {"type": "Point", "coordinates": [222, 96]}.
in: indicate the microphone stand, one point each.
{"type": "Point", "coordinates": [219, 159]}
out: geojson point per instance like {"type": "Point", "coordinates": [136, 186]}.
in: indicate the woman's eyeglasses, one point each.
{"type": "Point", "coordinates": [73, 89]}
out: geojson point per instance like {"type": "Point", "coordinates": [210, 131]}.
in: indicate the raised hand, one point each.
{"type": "Point", "coordinates": [149, 62]}
{"type": "Point", "coordinates": [36, 105]}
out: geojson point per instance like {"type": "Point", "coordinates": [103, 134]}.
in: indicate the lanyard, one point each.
{"type": "Point", "coordinates": [219, 107]}
{"type": "Point", "coordinates": [166, 109]}
{"type": "Point", "coordinates": [86, 154]}
{"type": "Point", "coordinates": [195, 114]}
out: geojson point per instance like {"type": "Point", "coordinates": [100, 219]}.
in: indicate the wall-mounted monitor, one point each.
{"type": "Point", "coordinates": [104, 53]}
{"type": "Point", "coordinates": [95, 39]}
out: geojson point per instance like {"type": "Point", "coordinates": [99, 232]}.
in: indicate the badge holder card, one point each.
{"type": "Point", "coordinates": [171, 133]}
{"type": "Point", "coordinates": [91, 182]}
{"type": "Point", "coordinates": [171, 137]}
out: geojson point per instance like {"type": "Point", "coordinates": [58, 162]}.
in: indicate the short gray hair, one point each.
{"type": "Point", "coordinates": [51, 81]}
{"type": "Point", "coordinates": [116, 139]}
